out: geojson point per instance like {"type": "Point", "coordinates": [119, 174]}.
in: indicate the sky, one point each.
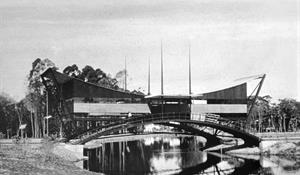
{"type": "Point", "coordinates": [229, 39]}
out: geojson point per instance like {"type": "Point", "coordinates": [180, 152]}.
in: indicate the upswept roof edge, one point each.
{"type": "Point", "coordinates": [68, 78]}
{"type": "Point", "coordinates": [235, 83]}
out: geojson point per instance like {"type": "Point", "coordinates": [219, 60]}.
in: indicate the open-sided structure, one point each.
{"type": "Point", "coordinates": [85, 107]}
{"type": "Point", "coordinates": [232, 102]}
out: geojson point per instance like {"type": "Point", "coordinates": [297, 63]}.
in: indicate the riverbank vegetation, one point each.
{"type": "Point", "coordinates": [268, 116]}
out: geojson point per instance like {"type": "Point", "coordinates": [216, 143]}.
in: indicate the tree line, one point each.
{"type": "Point", "coordinates": [282, 116]}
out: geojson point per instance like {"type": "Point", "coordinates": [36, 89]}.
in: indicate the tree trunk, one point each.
{"type": "Point", "coordinates": [32, 124]}
{"type": "Point", "coordinates": [287, 123]}
{"type": "Point", "coordinates": [37, 125]}
{"type": "Point", "coordinates": [284, 127]}
{"type": "Point", "coordinates": [44, 127]}
{"type": "Point", "coordinates": [280, 124]}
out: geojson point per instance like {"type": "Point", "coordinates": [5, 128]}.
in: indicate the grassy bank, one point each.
{"type": "Point", "coordinates": [35, 159]}
{"type": "Point", "coordinates": [286, 149]}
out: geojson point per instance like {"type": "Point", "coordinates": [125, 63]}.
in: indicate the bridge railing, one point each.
{"type": "Point", "coordinates": [138, 119]}
{"type": "Point", "coordinates": [210, 118]}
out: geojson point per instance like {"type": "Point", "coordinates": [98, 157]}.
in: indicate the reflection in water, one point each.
{"type": "Point", "coordinates": [151, 155]}
{"type": "Point", "coordinates": [176, 156]}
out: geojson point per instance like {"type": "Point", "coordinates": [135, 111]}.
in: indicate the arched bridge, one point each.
{"type": "Point", "coordinates": [198, 125]}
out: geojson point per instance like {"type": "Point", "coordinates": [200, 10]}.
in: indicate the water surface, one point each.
{"type": "Point", "coordinates": [181, 155]}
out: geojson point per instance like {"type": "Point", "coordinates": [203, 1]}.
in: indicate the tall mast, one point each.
{"type": "Point", "coordinates": [125, 82]}
{"type": "Point", "coordinates": [190, 76]}
{"type": "Point", "coordinates": [162, 68]}
{"type": "Point", "coordinates": [149, 76]}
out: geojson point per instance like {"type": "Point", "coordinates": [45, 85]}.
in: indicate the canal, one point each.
{"type": "Point", "coordinates": [178, 155]}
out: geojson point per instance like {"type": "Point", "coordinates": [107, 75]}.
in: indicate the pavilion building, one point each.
{"type": "Point", "coordinates": [88, 105]}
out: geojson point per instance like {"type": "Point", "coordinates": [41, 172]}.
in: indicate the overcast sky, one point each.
{"type": "Point", "coordinates": [229, 39]}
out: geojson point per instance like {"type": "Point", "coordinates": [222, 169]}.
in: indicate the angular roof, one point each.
{"type": "Point", "coordinates": [81, 88]}
{"type": "Point", "coordinates": [235, 90]}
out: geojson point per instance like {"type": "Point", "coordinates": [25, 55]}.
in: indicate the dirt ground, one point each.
{"type": "Point", "coordinates": [35, 159]}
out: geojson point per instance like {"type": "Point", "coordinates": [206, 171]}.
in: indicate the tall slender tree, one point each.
{"type": "Point", "coordinates": [36, 93]}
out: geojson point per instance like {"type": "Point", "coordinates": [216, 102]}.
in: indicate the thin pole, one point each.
{"type": "Point", "coordinates": [47, 112]}
{"type": "Point", "coordinates": [190, 76]}
{"type": "Point", "coordinates": [47, 102]}
{"type": "Point", "coordinates": [125, 75]}
{"type": "Point", "coordinates": [47, 126]}
{"type": "Point", "coordinates": [162, 68]}
{"type": "Point", "coordinates": [44, 126]}
{"type": "Point", "coordinates": [149, 76]}
{"type": "Point", "coordinates": [162, 78]}
{"type": "Point", "coordinates": [190, 80]}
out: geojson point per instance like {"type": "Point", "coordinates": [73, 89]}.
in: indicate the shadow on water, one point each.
{"type": "Point", "coordinates": [156, 155]}
{"type": "Point", "coordinates": [211, 161]}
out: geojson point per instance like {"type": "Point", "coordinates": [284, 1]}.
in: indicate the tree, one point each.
{"type": "Point", "coordinates": [260, 112]}
{"type": "Point", "coordinates": [279, 115]}
{"type": "Point", "coordinates": [36, 96]}
{"type": "Point", "coordinates": [7, 114]}
{"type": "Point", "coordinates": [89, 74]}
{"type": "Point", "coordinates": [99, 77]}
{"type": "Point", "coordinates": [72, 71]}
{"type": "Point", "coordinates": [120, 77]}
{"type": "Point", "coordinates": [12, 114]}
{"type": "Point", "coordinates": [288, 111]}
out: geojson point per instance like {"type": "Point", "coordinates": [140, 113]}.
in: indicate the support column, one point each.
{"type": "Point", "coordinates": [120, 156]}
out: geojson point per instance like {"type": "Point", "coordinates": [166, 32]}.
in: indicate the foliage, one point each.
{"type": "Point", "coordinates": [89, 74]}
{"type": "Point", "coordinates": [288, 110]}
{"type": "Point", "coordinates": [282, 116]}
{"type": "Point", "coordinates": [35, 100]}
{"type": "Point", "coordinates": [12, 114]}
{"type": "Point", "coordinates": [38, 67]}
{"type": "Point", "coordinates": [120, 76]}
{"type": "Point", "coordinates": [72, 71]}
{"type": "Point", "coordinates": [7, 113]}
{"type": "Point", "coordinates": [97, 76]}
{"type": "Point", "coordinates": [260, 109]}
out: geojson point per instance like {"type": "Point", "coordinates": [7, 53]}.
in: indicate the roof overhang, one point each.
{"type": "Point", "coordinates": [63, 79]}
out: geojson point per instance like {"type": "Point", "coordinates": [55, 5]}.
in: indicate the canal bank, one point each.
{"type": "Point", "coordinates": [272, 143]}
{"type": "Point", "coordinates": [37, 157]}
{"type": "Point", "coordinates": [169, 154]}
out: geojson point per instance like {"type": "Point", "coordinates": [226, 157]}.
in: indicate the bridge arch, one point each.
{"type": "Point", "coordinates": [221, 124]}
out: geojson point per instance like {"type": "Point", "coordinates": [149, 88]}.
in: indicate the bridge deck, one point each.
{"type": "Point", "coordinates": [234, 128]}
